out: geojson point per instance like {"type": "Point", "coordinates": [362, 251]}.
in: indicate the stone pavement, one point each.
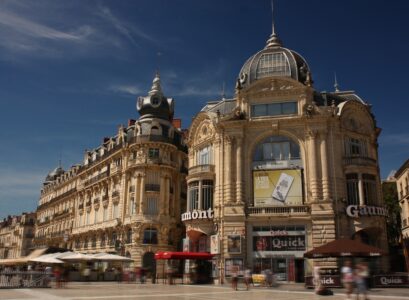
{"type": "Point", "coordinates": [111, 290]}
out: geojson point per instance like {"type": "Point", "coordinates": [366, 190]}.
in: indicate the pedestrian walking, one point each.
{"type": "Point", "coordinates": [234, 277]}
{"type": "Point", "coordinates": [348, 278]}
{"type": "Point", "coordinates": [360, 275]}
{"type": "Point", "coordinates": [247, 277]}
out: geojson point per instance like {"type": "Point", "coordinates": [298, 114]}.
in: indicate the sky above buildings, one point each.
{"type": "Point", "coordinates": [71, 70]}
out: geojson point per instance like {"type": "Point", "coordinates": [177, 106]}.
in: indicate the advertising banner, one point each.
{"type": "Point", "coordinates": [234, 243]}
{"type": "Point", "coordinates": [214, 244]}
{"type": "Point", "coordinates": [277, 187]}
{"type": "Point", "coordinates": [391, 280]}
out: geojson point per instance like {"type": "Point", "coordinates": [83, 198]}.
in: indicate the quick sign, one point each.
{"type": "Point", "coordinates": [391, 281]}
{"type": "Point", "coordinates": [326, 280]}
{"type": "Point", "coordinates": [279, 243]}
{"type": "Point", "coordinates": [355, 211]}
{"type": "Point", "coordinates": [197, 214]}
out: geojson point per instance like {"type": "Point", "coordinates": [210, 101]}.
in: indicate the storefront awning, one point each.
{"type": "Point", "coordinates": [183, 255]}
{"type": "Point", "coordinates": [344, 248]}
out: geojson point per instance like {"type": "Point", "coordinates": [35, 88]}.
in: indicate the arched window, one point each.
{"type": "Point", "coordinates": [150, 236]}
{"type": "Point", "coordinates": [277, 152]}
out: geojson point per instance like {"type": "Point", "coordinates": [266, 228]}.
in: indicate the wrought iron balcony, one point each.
{"type": "Point", "coordinates": [295, 210]}
{"type": "Point", "coordinates": [359, 161]}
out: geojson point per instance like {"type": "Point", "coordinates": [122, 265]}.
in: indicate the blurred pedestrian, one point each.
{"type": "Point", "coordinates": [348, 278]}
{"type": "Point", "coordinates": [247, 277]}
{"type": "Point", "coordinates": [360, 280]}
{"type": "Point", "coordinates": [234, 277]}
{"type": "Point", "coordinates": [317, 279]}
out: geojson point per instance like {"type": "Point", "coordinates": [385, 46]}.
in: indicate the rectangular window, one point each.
{"type": "Point", "coordinates": [115, 213]}
{"type": "Point", "coordinates": [205, 156]}
{"type": "Point", "coordinates": [96, 216]}
{"type": "Point", "coordinates": [87, 220]}
{"type": "Point", "coordinates": [132, 208]}
{"type": "Point", "coordinates": [153, 153]}
{"type": "Point", "coordinates": [152, 206]}
{"type": "Point", "coordinates": [193, 195]}
{"type": "Point", "coordinates": [274, 109]}
{"type": "Point", "coordinates": [352, 189]}
{"type": "Point", "coordinates": [370, 194]}
{"type": "Point", "coordinates": [207, 194]}
{"type": "Point", "coordinates": [105, 213]}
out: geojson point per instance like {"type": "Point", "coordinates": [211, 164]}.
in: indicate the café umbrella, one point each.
{"type": "Point", "coordinates": [344, 248]}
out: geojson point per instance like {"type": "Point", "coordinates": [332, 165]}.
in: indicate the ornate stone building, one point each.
{"type": "Point", "coordinates": [282, 168]}
{"type": "Point", "coordinates": [402, 182]}
{"type": "Point", "coordinates": [126, 196]}
{"type": "Point", "coordinates": [16, 235]}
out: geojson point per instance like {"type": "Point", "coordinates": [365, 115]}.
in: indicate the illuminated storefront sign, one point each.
{"type": "Point", "coordinates": [277, 187]}
{"type": "Point", "coordinates": [197, 214]}
{"type": "Point", "coordinates": [355, 211]}
{"type": "Point", "coordinates": [279, 243]}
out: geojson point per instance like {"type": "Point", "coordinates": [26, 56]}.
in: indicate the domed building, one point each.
{"type": "Point", "coordinates": [126, 196]}
{"type": "Point", "coordinates": [281, 169]}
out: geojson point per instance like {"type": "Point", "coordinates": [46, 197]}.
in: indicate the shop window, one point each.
{"type": "Point", "coordinates": [150, 236]}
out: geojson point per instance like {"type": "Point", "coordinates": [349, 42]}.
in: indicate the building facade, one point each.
{"type": "Point", "coordinates": [16, 235]}
{"type": "Point", "coordinates": [402, 183]}
{"type": "Point", "coordinates": [126, 196]}
{"type": "Point", "coordinates": [280, 169]}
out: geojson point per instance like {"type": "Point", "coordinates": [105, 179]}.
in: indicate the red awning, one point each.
{"type": "Point", "coordinates": [183, 255]}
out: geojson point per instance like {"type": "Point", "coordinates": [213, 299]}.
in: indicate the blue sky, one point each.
{"type": "Point", "coordinates": [71, 70]}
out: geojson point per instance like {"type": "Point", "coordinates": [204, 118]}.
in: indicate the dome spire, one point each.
{"type": "Point", "coordinates": [336, 85]}
{"type": "Point", "coordinates": [156, 88]}
{"type": "Point", "coordinates": [274, 40]}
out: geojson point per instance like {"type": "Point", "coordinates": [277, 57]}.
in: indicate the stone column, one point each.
{"type": "Point", "coordinates": [162, 195]}
{"type": "Point", "coordinates": [324, 165]}
{"type": "Point", "coordinates": [141, 193]}
{"type": "Point", "coordinates": [137, 193]}
{"type": "Point", "coordinates": [312, 158]}
{"type": "Point", "coordinates": [239, 170]}
{"type": "Point", "coordinates": [200, 202]}
{"type": "Point", "coordinates": [227, 169]}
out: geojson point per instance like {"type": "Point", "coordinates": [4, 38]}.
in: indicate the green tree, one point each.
{"type": "Point", "coordinates": [391, 200]}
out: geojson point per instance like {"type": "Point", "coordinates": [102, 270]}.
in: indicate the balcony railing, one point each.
{"type": "Point", "coordinates": [279, 210]}
{"type": "Point", "coordinates": [96, 178]}
{"type": "Point", "coordinates": [201, 169]}
{"type": "Point", "coordinates": [359, 161]}
{"type": "Point", "coordinates": [97, 226]}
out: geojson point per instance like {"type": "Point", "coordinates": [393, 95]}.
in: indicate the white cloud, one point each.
{"type": "Point", "coordinates": [126, 89]}
{"type": "Point", "coordinates": [123, 28]}
{"type": "Point", "coordinates": [20, 183]}
{"type": "Point", "coordinates": [30, 28]}
{"type": "Point", "coordinates": [197, 91]}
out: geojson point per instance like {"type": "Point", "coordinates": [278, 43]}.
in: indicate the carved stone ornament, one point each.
{"type": "Point", "coordinates": [309, 110]}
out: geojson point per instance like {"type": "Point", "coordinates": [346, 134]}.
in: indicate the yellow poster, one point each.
{"type": "Point", "coordinates": [277, 187]}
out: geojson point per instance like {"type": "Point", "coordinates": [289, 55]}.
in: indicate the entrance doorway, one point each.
{"type": "Point", "coordinates": [299, 270]}
{"type": "Point", "coordinates": [149, 264]}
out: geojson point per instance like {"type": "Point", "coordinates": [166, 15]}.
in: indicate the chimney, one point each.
{"type": "Point", "coordinates": [177, 123]}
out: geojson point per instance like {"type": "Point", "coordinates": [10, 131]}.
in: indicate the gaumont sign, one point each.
{"type": "Point", "coordinates": [391, 281]}
{"type": "Point", "coordinates": [355, 211]}
{"type": "Point", "coordinates": [197, 214]}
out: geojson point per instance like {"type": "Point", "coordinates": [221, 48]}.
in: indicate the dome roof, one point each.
{"type": "Point", "coordinates": [155, 105]}
{"type": "Point", "coordinates": [54, 174]}
{"type": "Point", "coordinates": [275, 61]}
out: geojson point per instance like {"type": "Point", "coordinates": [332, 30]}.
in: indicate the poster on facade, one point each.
{"type": "Point", "coordinates": [234, 243]}
{"type": "Point", "coordinates": [186, 244]}
{"type": "Point", "coordinates": [214, 244]}
{"type": "Point", "coordinates": [277, 187]}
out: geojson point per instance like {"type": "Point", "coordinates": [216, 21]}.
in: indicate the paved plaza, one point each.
{"type": "Point", "coordinates": [197, 292]}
